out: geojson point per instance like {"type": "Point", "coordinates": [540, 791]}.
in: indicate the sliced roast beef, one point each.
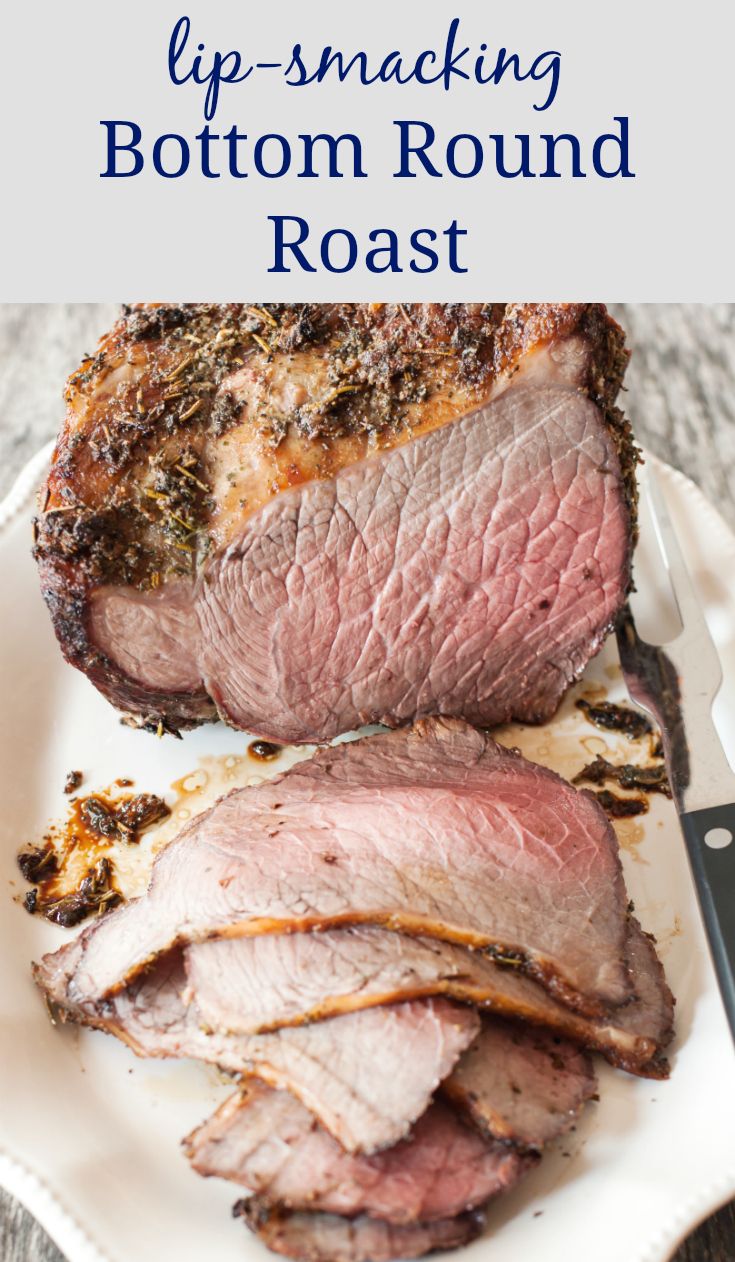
{"type": "Point", "coordinates": [308, 518]}
{"type": "Point", "coordinates": [434, 830]}
{"type": "Point", "coordinates": [331, 1238]}
{"type": "Point", "coordinates": [250, 985]}
{"type": "Point", "coordinates": [524, 1086]}
{"type": "Point", "coordinates": [651, 1016]}
{"type": "Point", "coordinates": [367, 1076]}
{"type": "Point", "coordinates": [271, 1145]}
{"type": "Point", "coordinates": [519, 1086]}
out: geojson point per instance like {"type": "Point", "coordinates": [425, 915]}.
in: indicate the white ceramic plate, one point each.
{"type": "Point", "coordinates": [89, 1135]}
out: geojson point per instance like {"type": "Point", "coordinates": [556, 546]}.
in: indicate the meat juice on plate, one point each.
{"type": "Point", "coordinates": [78, 845]}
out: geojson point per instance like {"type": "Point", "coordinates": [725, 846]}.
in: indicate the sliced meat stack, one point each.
{"type": "Point", "coordinates": [295, 1174]}
{"type": "Point", "coordinates": [307, 518]}
{"type": "Point", "coordinates": [436, 830]}
{"type": "Point", "coordinates": [252, 985]}
{"type": "Point", "coordinates": [271, 1145]}
{"type": "Point", "coordinates": [405, 947]}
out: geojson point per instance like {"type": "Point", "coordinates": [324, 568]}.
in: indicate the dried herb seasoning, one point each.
{"type": "Point", "coordinates": [618, 807]}
{"type": "Point", "coordinates": [615, 718]}
{"type": "Point", "coordinates": [124, 820]}
{"type": "Point", "coordinates": [95, 893]}
{"type": "Point", "coordinates": [72, 781]}
{"type": "Point", "coordinates": [38, 862]}
{"type": "Point", "coordinates": [652, 778]}
{"type": "Point", "coordinates": [95, 824]}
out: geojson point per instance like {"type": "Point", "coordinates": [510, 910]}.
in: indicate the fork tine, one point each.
{"type": "Point", "coordinates": [690, 610]}
{"type": "Point", "coordinates": [680, 679]}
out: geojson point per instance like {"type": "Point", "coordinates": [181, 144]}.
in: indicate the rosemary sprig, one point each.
{"type": "Point", "coordinates": [352, 388]}
{"type": "Point", "coordinates": [188, 474]}
{"type": "Point", "coordinates": [191, 410]}
{"type": "Point", "coordinates": [188, 525]}
{"type": "Point", "coordinates": [261, 343]}
{"type": "Point", "coordinates": [265, 316]}
{"type": "Point", "coordinates": [180, 367]}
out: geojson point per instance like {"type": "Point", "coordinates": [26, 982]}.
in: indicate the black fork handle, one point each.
{"type": "Point", "coordinates": [712, 859]}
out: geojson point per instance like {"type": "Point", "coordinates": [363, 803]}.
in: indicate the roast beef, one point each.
{"type": "Point", "coordinates": [367, 1076]}
{"type": "Point", "coordinates": [520, 1085]}
{"type": "Point", "coordinates": [250, 985]}
{"type": "Point", "coordinates": [309, 518]}
{"type": "Point", "coordinates": [271, 1145]}
{"type": "Point", "coordinates": [435, 830]}
{"type": "Point", "coordinates": [331, 1238]}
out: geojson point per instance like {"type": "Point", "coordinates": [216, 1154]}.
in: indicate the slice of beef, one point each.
{"type": "Point", "coordinates": [366, 1076]}
{"type": "Point", "coordinates": [330, 1238]}
{"type": "Point", "coordinates": [269, 1143]}
{"type": "Point", "coordinates": [399, 512]}
{"type": "Point", "coordinates": [250, 985]}
{"type": "Point", "coordinates": [519, 1085]}
{"type": "Point", "coordinates": [435, 830]}
{"type": "Point", "coordinates": [652, 1015]}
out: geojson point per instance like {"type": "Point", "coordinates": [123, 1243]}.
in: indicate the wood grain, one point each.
{"type": "Point", "coordinates": [681, 400]}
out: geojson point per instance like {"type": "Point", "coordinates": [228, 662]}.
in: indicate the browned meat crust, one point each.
{"type": "Point", "coordinates": [329, 1238]}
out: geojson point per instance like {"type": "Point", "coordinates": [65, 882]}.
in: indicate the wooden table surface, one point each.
{"type": "Point", "coordinates": [681, 400]}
